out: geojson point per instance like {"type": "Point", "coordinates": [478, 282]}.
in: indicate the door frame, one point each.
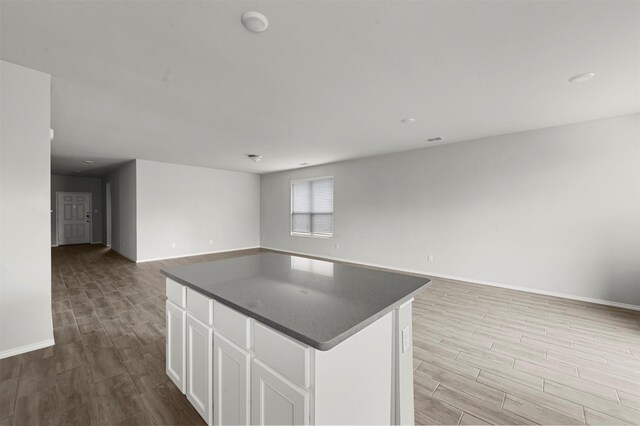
{"type": "Point", "coordinates": [108, 215]}
{"type": "Point", "coordinates": [88, 195]}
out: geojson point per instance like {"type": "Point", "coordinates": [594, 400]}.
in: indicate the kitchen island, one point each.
{"type": "Point", "coordinates": [278, 339]}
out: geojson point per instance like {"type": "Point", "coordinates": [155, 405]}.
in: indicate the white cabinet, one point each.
{"type": "Point", "coordinates": [275, 399]}
{"type": "Point", "coordinates": [176, 345]}
{"type": "Point", "coordinates": [236, 370]}
{"type": "Point", "coordinates": [231, 382]}
{"type": "Point", "coordinates": [199, 367]}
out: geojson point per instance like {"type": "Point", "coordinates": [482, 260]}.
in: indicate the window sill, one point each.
{"type": "Point", "coordinates": [323, 237]}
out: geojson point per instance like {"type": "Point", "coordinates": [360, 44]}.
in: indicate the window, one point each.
{"type": "Point", "coordinates": [312, 207]}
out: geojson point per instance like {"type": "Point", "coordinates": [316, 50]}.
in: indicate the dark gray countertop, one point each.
{"type": "Point", "coordinates": [315, 302]}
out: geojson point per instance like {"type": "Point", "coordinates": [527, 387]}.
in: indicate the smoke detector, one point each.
{"type": "Point", "coordinates": [255, 22]}
{"type": "Point", "coordinates": [435, 139]}
{"type": "Point", "coordinates": [254, 157]}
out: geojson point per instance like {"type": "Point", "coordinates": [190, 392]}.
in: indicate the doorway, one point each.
{"type": "Point", "coordinates": [108, 209]}
{"type": "Point", "coordinates": [73, 217]}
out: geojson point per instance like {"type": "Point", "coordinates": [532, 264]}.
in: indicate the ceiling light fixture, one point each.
{"type": "Point", "coordinates": [254, 157]}
{"type": "Point", "coordinates": [303, 164]}
{"type": "Point", "coordinates": [88, 162]}
{"type": "Point", "coordinates": [581, 78]}
{"type": "Point", "coordinates": [408, 120]}
{"type": "Point", "coordinates": [255, 22]}
{"type": "Point", "coordinates": [435, 139]}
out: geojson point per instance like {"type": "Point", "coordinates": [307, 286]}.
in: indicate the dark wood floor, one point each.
{"type": "Point", "coordinates": [108, 364]}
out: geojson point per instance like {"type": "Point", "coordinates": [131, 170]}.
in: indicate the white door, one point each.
{"type": "Point", "coordinates": [73, 213]}
{"type": "Point", "coordinates": [200, 367]}
{"type": "Point", "coordinates": [275, 399]}
{"type": "Point", "coordinates": [176, 345]}
{"type": "Point", "coordinates": [231, 382]}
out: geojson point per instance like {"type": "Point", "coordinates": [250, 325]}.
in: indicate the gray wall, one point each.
{"type": "Point", "coordinates": [25, 252]}
{"type": "Point", "coordinates": [186, 210]}
{"type": "Point", "coordinates": [79, 184]}
{"type": "Point", "coordinates": [555, 210]}
{"type": "Point", "coordinates": [123, 210]}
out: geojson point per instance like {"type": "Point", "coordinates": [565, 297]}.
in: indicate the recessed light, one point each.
{"type": "Point", "coordinates": [408, 120]}
{"type": "Point", "coordinates": [254, 157]}
{"type": "Point", "coordinates": [581, 78]}
{"type": "Point", "coordinates": [255, 22]}
{"type": "Point", "coordinates": [88, 162]}
{"type": "Point", "coordinates": [435, 139]}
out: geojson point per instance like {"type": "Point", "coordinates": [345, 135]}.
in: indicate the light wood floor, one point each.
{"type": "Point", "coordinates": [489, 355]}
{"type": "Point", "coordinates": [482, 355]}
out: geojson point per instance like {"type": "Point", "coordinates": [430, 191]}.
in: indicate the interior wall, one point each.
{"type": "Point", "coordinates": [555, 210]}
{"type": "Point", "coordinates": [123, 210]}
{"type": "Point", "coordinates": [25, 252]}
{"type": "Point", "coordinates": [186, 210]}
{"type": "Point", "coordinates": [94, 186]}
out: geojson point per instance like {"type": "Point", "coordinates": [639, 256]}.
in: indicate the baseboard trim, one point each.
{"type": "Point", "coordinates": [27, 348]}
{"type": "Point", "coordinates": [196, 254]}
{"type": "Point", "coordinates": [54, 245]}
{"type": "Point", "coordinates": [471, 280]}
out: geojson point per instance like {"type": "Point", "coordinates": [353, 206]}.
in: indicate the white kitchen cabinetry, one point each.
{"type": "Point", "coordinates": [176, 345]}
{"type": "Point", "coordinates": [276, 400]}
{"type": "Point", "coordinates": [231, 382]}
{"type": "Point", "coordinates": [199, 367]}
{"type": "Point", "coordinates": [236, 370]}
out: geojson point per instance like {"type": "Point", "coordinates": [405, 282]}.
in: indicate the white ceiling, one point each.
{"type": "Point", "coordinates": [184, 82]}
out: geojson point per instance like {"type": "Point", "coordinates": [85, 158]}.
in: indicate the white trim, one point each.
{"type": "Point", "coordinates": [54, 245]}
{"type": "Point", "coordinates": [300, 234]}
{"type": "Point", "coordinates": [195, 254]}
{"type": "Point", "coordinates": [95, 242]}
{"type": "Point", "coordinates": [474, 281]}
{"type": "Point", "coordinates": [27, 348]}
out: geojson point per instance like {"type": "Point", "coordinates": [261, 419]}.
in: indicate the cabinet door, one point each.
{"type": "Point", "coordinates": [199, 367]}
{"type": "Point", "coordinates": [231, 382]}
{"type": "Point", "coordinates": [276, 400]}
{"type": "Point", "coordinates": [176, 345]}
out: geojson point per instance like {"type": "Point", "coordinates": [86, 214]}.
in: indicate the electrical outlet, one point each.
{"type": "Point", "coordinates": [173, 245]}
{"type": "Point", "coordinates": [210, 241]}
{"type": "Point", "coordinates": [430, 257]}
{"type": "Point", "coordinates": [337, 246]}
{"type": "Point", "coordinates": [406, 339]}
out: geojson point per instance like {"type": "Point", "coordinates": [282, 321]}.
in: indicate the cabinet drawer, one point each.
{"type": "Point", "coordinates": [200, 306]}
{"type": "Point", "coordinates": [176, 293]}
{"type": "Point", "coordinates": [282, 353]}
{"type": "Point", "coordinates": [232, 324]}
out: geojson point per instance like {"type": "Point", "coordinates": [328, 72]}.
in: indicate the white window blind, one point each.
{"type": "Point", "coordinates": [312, 207]}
